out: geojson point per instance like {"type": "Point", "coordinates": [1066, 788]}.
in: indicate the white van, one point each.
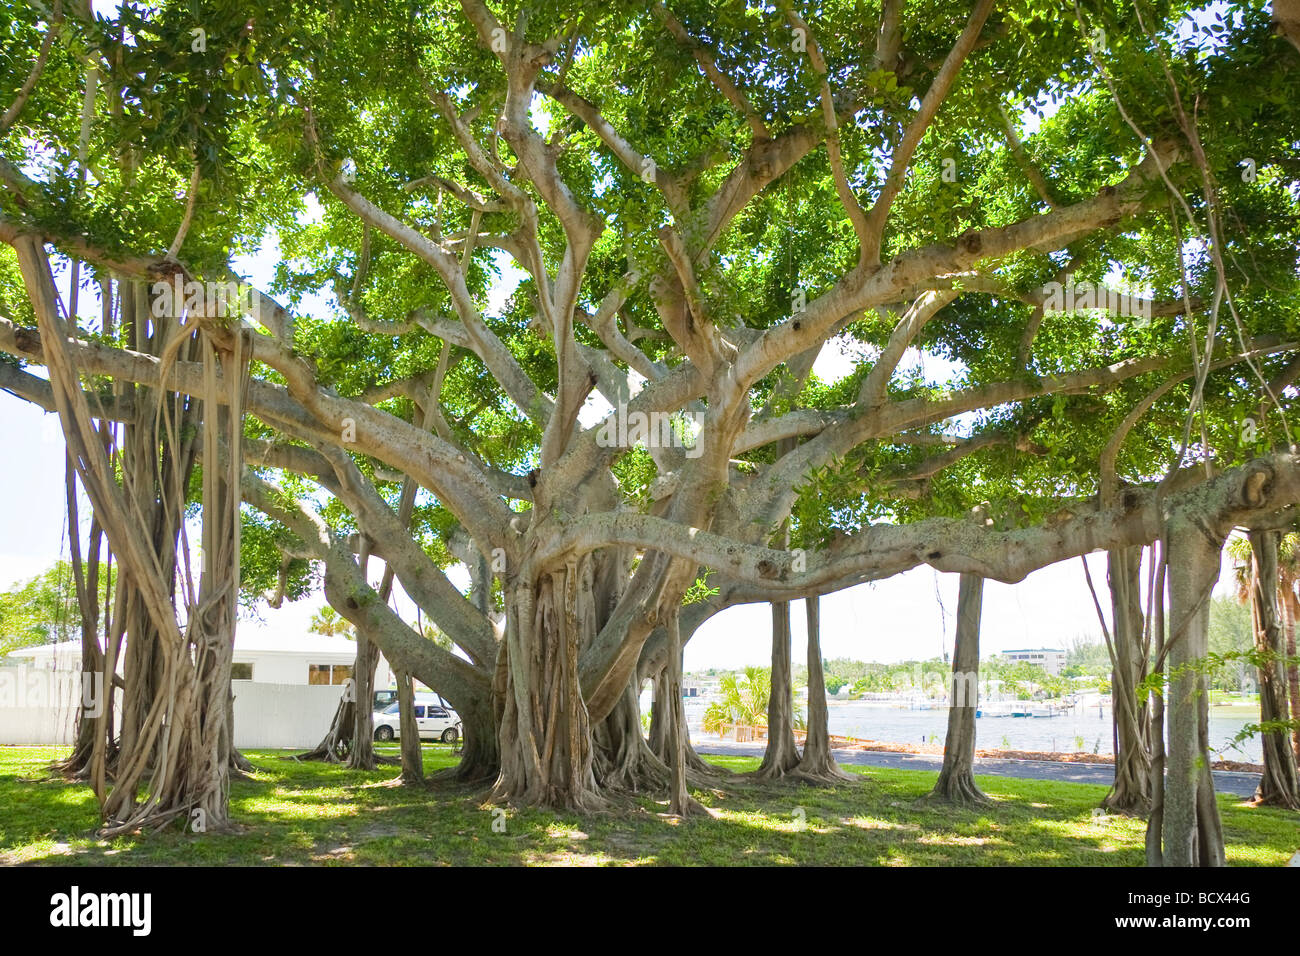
{"type": "Point", "coordinates": [433, 716]}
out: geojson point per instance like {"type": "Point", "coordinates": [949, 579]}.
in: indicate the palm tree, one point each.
{"type": "Point", "coordinates": [743, 702]}
{"type": "Point", "coordinates": [330, 623]}
{"type": "Point", "coordinates": [717, 719]}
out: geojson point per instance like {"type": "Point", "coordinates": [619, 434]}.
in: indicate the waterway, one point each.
{"type": "Point", "coordinates": [1086, 729]}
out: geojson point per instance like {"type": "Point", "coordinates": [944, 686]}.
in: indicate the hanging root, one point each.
{"type": "Point", "coordinates": [239, 763]}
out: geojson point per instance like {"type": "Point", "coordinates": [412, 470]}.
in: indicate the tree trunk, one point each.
{"type": "Point", "coordinates": [956, 783]}
{"type": "Point", "coordinates": [337, 742]}
{"type": "Point", "coordinates": [545, 736]}
{"type": "Point", "coordinates": [1291, 608]}
{"type": "Point", "coordinates": [480, 760]}
{"type": "Point", "coordinates": [782, 754]}
{"type": "Point", "coordinates": [680, 801]}
{"type": "Point", "coordinates": [1156, 610]}
{"type": "Point", "coordinates": [624, 759]}
{"type": "Point", "coordinates": [1131, 790]}
{"type": "Point", "coordinates": [96, 690]}
{"type": "Point", "coordinates": [239, 764]}
{"type": "Point", "coordinates": [817, 764]}
{"type": "Point", "coordinates": [697, 768]}
{"type": "Point", "coordinates": [1278, 786]}
{"type": "Point", "coordinates": [362, 755]}
{"type": "Point", "coordinates": [627, 761]}
{"type": "Point", "coordinates": [412, 752]}
{"type": "Point", "coordinates": [657, 724]}
{"type": "Point", "coordinates": [1191, 831]}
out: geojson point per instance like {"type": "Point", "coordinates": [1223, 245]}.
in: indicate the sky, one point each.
{"type": "Point", "coordinates": [909, 616]}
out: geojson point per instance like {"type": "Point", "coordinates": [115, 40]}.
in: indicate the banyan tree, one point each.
{"type": "Point", "coordinates": [543, 289]}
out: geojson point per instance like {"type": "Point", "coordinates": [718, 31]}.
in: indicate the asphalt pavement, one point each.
{"type": "Point", "coordinates": [1225, 781]}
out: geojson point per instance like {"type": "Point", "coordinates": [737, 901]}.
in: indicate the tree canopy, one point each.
{"type": "Point", "coordinates": [548, 285]}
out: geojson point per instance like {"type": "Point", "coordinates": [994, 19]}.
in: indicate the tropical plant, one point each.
{"type": "Point", "coordinates": [743, 701]}
{"type": "Point", "coordinates": [330, 623]}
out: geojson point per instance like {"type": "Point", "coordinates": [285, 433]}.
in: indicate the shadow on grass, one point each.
{"type": "Point", "coordinates": [293, 813]}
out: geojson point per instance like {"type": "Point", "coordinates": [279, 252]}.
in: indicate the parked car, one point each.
{"type": "Point", "coordinates": [383, 698]}
{"type": "Point", "coordinates": [435, 719]}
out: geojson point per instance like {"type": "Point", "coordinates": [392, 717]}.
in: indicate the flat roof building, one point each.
{"type": "Point", "coordinates": [1050, 659]}
{"type": "Point", "coordinates": [265, 657]}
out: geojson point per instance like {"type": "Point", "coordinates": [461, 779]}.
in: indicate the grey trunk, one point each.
{"type": "Point", "coordinates": [362, 754]}
{"type": "Point", "coordinates": [1131, 790]}
{"type": "Point", "coordinates": [1278, 786]}
{"type": "Point", "coordinates": [1190, 828]}
{"type": "Point", "coordinates": [817, 764]}
{"type": "Point", "coordinates": [956, 783]}
{"type": "Point", "coordinates": [782, 754]}
{"type": "Point", "coordinates": [412, 753]}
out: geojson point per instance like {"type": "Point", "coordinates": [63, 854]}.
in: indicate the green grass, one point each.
{"type": "Point", "coordinates": [1234, 700]}
{"type": "Point", "coordinates": [306, 814]}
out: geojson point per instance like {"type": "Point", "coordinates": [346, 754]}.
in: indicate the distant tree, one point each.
{"type": "Point", "coordinates": [743, 700]}
{"type": "Point", "coordinates": [1086, 657]}
{"type": "Point", "coordinates": [438, 637]}
{"type": "Point", "coordinates": [330, 623]}
{"type": "Point", "coordinates": [1024, 679]}
{"type": "Point", "coordinates": [1230, 637]}
{"type": "Point", "coordinates": [42, 610]}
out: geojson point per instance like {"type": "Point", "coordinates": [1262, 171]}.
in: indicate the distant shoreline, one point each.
{"type": "Point", "coordinates": [857, 743]}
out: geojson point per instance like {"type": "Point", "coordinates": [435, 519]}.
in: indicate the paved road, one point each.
{"type": "Point", "coordinates": [1240, 784]}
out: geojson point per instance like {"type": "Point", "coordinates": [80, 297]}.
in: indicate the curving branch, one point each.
{"type": "Point", "coordinates": [901, 160]}
{"type": "Point", "coordinates": [1254, 492]}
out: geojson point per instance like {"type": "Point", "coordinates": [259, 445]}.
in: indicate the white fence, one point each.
{"type": "Point", "coordinates": [270, 716]}
{"type": "Point", "coordinates": [39, 707]}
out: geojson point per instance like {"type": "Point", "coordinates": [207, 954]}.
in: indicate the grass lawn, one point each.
{"type": "Point", "coordinates": [302, 814]}
{"type": "Point", "coordinates": [1235, 701]}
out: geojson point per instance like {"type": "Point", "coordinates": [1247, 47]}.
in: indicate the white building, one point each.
{"type": "Point", "coordinates": [1050, 659]}
{"type": "Point", "coordinates": [262, 657]}
{"type": "Point", "coordinates": [286, 690]}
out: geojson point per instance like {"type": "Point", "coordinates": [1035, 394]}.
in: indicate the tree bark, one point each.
{"type": "Point", "coordinates": [697, 768]}
{"type": "Point", "coordinates": [1156, 609]}
{"type": "Point", "coordinates": [337, 742]}
{"type": "Point", "coordinates": [480, 757]}
{"type": "Point", "coordinates": [1278, 785]}
{"type": "Point", "coordinates": [657, 724]}
{"type": "Point", "coordinates": [817, 764]}
{"type": "Point", "coordinates": [1291, 608]}
{"type": "Point", "coordinates": [176, 742]}
{"type": "Point", "coordinates": [624, 759]}
{"type": "Point", "coordinates": [1131, 790]}
{"type": "Point", "coordinates": [362, 754]}
{"type": "Point", "coordinates": [680, 801]}
{"type": "Point", "coordinates": [956, 783]}
{"type": "Point", "coordinates": [782, 754]}
{"type": "Point", "coordinates": [1191, 831]}
{"type": "Point", "coordinates": [412, 752]}
{"type": "Point", "coordinates": [1286, 14]}
{"type": "Point", "coordinates": [239, 764]}
{"type": "Point", "coordinates": [99, 693]}
{"type": "Point", "coordinates": [545, 736]}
